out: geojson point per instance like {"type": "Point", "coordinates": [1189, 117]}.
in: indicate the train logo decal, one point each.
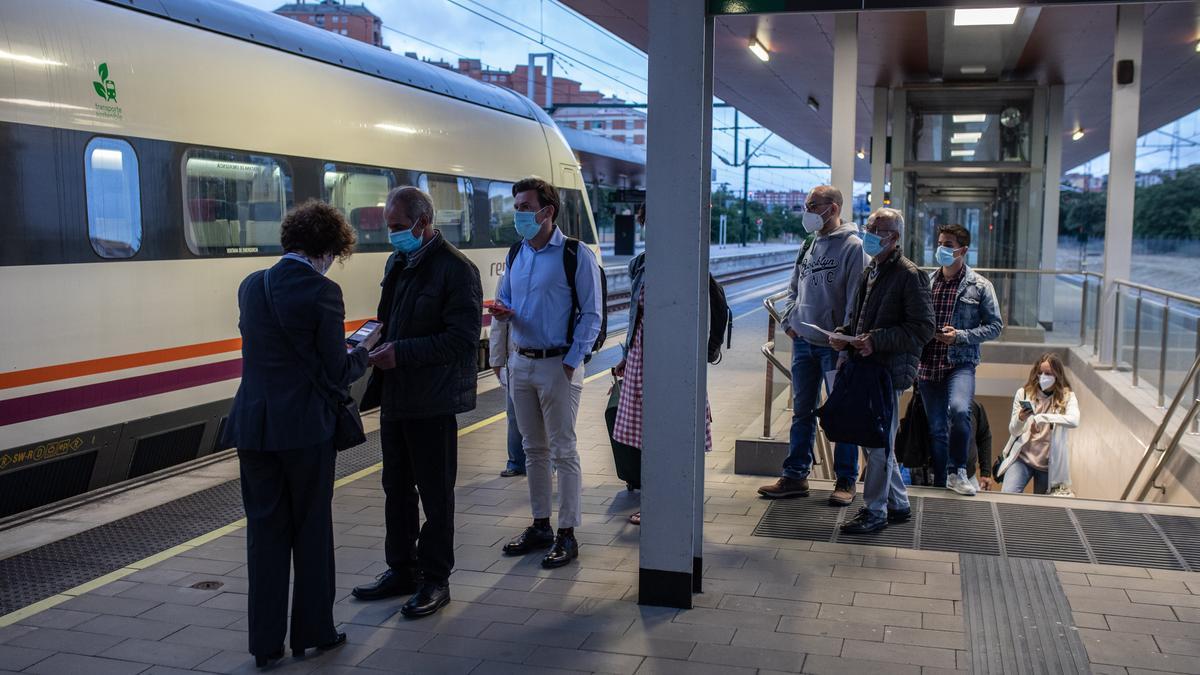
{"type": "Point", "coordinates": [106, 89]}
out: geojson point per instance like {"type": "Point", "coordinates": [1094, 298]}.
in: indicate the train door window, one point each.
{"type": "Point", "coordinates": [501, 221]}
{"type": "Point", "coordinates": [574, 220]}
{"type": "Point", "coordinates": [234, 202]}
{"type": "Point", "coordinates": [114, 201]}
{"type": "Point", "coordinates": [360, 193]}
{"type": "Point", "coordinates": [451, 205]}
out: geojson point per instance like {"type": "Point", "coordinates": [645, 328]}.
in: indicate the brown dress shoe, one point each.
{"type": "Point", "coordinates": [785, 488]}
{"type": "Point", "coordinates": [843, 493]}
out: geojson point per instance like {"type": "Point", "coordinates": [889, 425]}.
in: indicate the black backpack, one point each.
{"type": "Point", "coordinates": [570, 266]}
{"type": "Point", "coordinates": [720, 321]}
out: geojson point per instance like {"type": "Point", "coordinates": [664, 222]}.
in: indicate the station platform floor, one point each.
{"type": "Point", "coordinates": [769, 605]}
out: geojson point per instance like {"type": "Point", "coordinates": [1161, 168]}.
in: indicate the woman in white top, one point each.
{"type": "Point", "coordinates": [1043, 410]}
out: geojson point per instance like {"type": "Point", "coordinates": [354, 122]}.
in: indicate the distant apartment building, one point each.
{"type": "Point", "coordinates": [1082, 182]}
{"type": "Point", "coordinates": [353, 21]}
{"type": "Point", "coordinates": [779, 199]}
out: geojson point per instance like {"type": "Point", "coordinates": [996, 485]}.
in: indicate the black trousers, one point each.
{"type": "Point", "coordinates": [420, 462]}
{"type": "Point", "coordinates": [289, 523]}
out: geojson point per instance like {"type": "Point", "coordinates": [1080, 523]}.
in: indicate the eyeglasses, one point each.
{"type": "Point", "coordinates": [815, 206]}
{"type": "Point", "coordinates": [879, 232]}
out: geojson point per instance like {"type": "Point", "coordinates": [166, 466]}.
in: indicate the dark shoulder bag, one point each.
{"type": "Point", "coordinates": [859, 409]}
{"type": "Point", "coordinates": [348, 427]}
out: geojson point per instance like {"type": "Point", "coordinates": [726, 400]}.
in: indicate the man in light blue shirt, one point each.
{"type": "Point", "coordinates": [553, 330]}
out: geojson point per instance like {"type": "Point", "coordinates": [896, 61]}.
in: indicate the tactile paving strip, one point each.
{"type": "Point", "coordinates": [1007, 530]}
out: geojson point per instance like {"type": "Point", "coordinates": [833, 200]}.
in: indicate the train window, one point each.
{"type": "Point", "coordinates": [114, 200]}
{"type": "Point", "coordinates": [234, 202]}
{"type": "Point", "coordinates": [451, 205]}
{"type": "Point", "coordinates": [360, 193]}
{"type": "Point", "coordinates": [574, 220]}
{"type": "Point", "coordinates": [500, 216]}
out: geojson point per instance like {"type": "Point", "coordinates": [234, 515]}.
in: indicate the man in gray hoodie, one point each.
{"type": "Point", "coordinates": [821, 294]}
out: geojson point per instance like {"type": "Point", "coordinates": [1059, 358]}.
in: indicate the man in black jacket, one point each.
{"type": "Point", "coordinates": [892, 320]}
{"type": "Point", "coordinates": [431, 310]}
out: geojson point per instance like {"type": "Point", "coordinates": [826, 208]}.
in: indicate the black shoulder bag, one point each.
{"type": "Point", "coordinates": [348, 427]}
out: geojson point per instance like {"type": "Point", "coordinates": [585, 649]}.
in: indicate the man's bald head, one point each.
{"type": "Point", "coordinates": [827, 193]}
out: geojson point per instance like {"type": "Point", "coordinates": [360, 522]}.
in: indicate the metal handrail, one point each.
{"type": "Point", "coordinates": [1169, 451]}
{"type": "Point", "coordinates": [1164, 339]}
{"type": "Point", "coordinates": [1161, 431]}
{"type": "Point", "coordinates": [1158, 291]}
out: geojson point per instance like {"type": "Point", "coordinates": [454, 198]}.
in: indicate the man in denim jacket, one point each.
{"type": "Point", "coordinates": [966, 314]}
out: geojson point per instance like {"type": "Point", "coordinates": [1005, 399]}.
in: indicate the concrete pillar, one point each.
{"type": "Point", "coordinates": [845, 103]}
{"type": "Point", "coordinates": [1050, 214]}
{"type": "Point", "coordinates": [879, 126]}
{"type": "Point", "coordinates": [1122, 145]}
{"type": "Point", "coordinates": [676, 324]}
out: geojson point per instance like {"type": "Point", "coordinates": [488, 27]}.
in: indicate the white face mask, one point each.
{"type": "Point", "coordinates": [813, 221]}
{"type": "Point", "coordinates": [1046, 381]}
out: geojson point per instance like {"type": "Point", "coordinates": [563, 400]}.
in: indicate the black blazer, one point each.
{"type": "Point", "coordinates": [277, 406]}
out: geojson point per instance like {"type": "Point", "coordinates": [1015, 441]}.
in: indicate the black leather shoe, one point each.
{"type": "Point", "coordinates": [264, 661]}
{"type": "Point", "coordinates": [532, 539]}
{"type": "Point", "coordinates": [428, 599]}
{"type": "Point", "coordinates": [509, 473]}
{"type": "Point", "coordinates": [565, 550]}
{"type": "Point", "coordinates": [896, 516]}
{"type": "Point", "coordinates": [387, 585]}
{"type": "Point", "coordinates": [334, 644]}
{"type": "Point", "coordinates": [864, 523]}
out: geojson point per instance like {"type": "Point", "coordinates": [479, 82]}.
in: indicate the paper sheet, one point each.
{"type": "Point", "coordinates": [829, 334]}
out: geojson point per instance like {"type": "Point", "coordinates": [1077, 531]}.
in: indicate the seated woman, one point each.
{"type": "Point", "coordinates": [1043, 410]}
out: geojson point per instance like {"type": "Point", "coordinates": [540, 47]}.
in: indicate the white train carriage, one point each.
{"type": "Point", "coordinates": [148, 152]}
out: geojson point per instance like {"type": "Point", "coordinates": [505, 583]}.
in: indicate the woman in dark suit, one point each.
{"type": "Point", "coordinates": [295, 364]}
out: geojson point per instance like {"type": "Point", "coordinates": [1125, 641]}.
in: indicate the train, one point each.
{"type": "Point", "coordinates": [149, 151]}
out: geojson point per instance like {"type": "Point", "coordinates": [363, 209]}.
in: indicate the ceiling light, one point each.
{"type": "Point", "coordinates": [962, 153]}
{"type": "Point", "coordinates": [812, 103]}
{"type": "Point", "coordinates": [1198, 46]}
{"type": "Point", "coordinates": [996, 16]}
{"type": "Point", "coordinates": [759, 50]}
{"type": "Point", "coordinates": [861, 154]}
{"type": "Point", "coordinates": [966, 137]}
{"type": "Point", "coordinates": [968, 119]}
{"type": "Point", "coordinates": [973, 70]}
{"type": "Point", "coordinates": [1077, 135]}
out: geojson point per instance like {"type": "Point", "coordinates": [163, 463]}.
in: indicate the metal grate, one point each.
{"type": "Point", "coordinates": [1006, 530]}
{"type": "Point", "coordinates": [44, 483]}
{"type": "Point", "coordinates": [159, 451]}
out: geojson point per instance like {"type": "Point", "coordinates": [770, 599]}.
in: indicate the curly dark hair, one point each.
{"type": "Point", "coordinates": [317, 229]}
{"type": "Point", "coordinates": [547, 194]}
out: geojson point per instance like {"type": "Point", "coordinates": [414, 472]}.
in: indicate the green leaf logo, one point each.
{"type": "Point", "coordinates": [100, 90]}
{"type": "Point", "coordinates": [103, 70]}
{"type": "Point", "coordinates": [106, 89]}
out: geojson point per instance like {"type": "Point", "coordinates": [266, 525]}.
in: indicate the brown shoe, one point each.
{"type": "Point", "coordinates": [785, 488]}
{"type": "Point", "coordinates": [843, 493]}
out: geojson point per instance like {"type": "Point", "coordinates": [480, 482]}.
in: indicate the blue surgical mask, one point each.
{"type": "Point", "coordinates": [944, 256]}
{"type": "Point", "coordinates": [527, 224]}
{"type": "Point", "coordinates": [872, 244]}
{"type": "Point", "coordinates": [404, 241]}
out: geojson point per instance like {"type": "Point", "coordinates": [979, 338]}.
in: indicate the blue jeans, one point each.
{"type": "Point", "coordinates": [1017, 477]}
{"type": "Point", "coordinates": [516, 453]}
{"type": "Point", "coordinates": [948, 407]}
{"type": "Point", "coordinates": [809, 365]}
{"type": "Point", "coordinates": [883, 487]}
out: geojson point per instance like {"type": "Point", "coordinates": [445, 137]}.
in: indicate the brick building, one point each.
{"type": "Point", "coordinates": [779, 199]}
{"type": "Point", "coordinates": [353, 21]}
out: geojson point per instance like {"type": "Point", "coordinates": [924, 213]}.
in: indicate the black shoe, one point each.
{"type": "Point", "coordinates": [335, 643]}
{"type": "Point", "coordinates": [387, 585]}
{"type": "Point", "coordinates": [509, 473]}
{"type": "Point", "coordinates": [565, 550]}
{"type": "Point", "coordinates": [865, 522]}
{"type": "Point", "coordinates": [896, 516]}
{"type": "Point", "coordinates": [532, 539]}
{"type": "Point", "coordinates": [428, 599]}
{"type": "Point", "coordinates": [264, 661]}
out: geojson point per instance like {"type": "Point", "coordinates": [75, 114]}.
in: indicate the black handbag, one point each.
{"type": "Point", "coordinates": [348, 427]}
{"type": "Point", "coordinates": [627, 458]}
{"type": "Point", "coordinates": [860, 407]}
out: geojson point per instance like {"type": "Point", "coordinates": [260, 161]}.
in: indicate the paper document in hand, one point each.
{"type": "Point", "coordinates": [829, 334]}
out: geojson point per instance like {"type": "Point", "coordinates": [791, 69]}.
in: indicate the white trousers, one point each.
{"type": "Point", "coordinates": [547, 404]}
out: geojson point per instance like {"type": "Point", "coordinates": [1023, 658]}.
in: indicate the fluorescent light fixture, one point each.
{"type": "Point", "coordinates": [812, 103]}
{"type": "Point", "coordinates": [31, 60]}
{"type": "Point", "coordinates": [861, 154]}
{"type": "Point", "coordinates": [966, 137]}
{"type": "Point", "coordinates": [1198, 46]}
{"type": "Point", "coordinates": [994, 16]}
{"type": "Point", "coordinates": [972, 70]}
{"type": "Point", "coordinates": [395, 128]}
{"type": "Point", "coordinates": [1077, 135]}
{"type": "Point", "coordinates": [962, 153]}
{"type": "Point", "coordinates": [759, 50]}
{"type": "Point", "coordinates": [969, 119]}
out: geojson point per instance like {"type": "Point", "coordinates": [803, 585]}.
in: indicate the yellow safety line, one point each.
{"type": "Point", "coordinates": [87, 587]}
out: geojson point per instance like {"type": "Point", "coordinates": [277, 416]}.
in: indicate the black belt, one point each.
{"type": "Point", "coordinates": [543, 353]}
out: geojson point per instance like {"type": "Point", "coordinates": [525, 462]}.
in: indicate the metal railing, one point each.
{"type": "Point", "coordinates": [1167, 452]}
{"type": "Point", "coordinates": [1162, 298]}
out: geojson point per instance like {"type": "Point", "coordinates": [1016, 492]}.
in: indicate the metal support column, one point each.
{"type": "Point", "coordinates": [1050, 214]}
{"type": "Point", "coordinates": [1123, 135]}
{"type": "Point", "coordinates": [845, 103]}
{"type": "Point", "coordinates": [879, 139]}
{"type": "Point", "coordinates": [677, 188]}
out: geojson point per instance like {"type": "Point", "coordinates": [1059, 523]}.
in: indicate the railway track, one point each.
{"type": "Point", "coordinates": [620, 301]}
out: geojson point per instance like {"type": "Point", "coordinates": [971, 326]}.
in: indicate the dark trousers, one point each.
{"type": "Point", "coordinates": [948, 407]}
{"type": "Point", "coordinates": [420, 462]}
{"type": "Point", "coordinates": [289, 523]}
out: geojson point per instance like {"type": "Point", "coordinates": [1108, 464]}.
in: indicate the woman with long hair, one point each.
{"type": "Point", "coordinates": [1043, 411]}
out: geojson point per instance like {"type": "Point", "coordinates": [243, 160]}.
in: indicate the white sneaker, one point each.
{"type": "Point", "coordinates": [960, 483]}
{"type": "Point", "coordinates": [1061, 491]}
